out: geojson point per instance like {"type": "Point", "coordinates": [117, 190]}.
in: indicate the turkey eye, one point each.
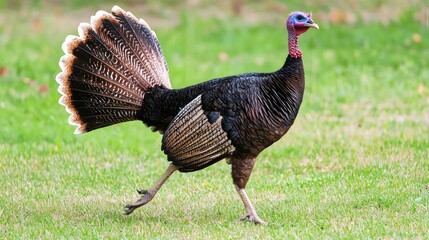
{"type": "Point", "coordinates": [299, 17]}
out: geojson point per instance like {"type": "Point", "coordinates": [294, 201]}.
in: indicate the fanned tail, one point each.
{"type": "Point", "coordinates": [108, 68]}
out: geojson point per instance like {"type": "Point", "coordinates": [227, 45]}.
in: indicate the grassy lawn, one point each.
{"type": "Point", "coordinates": [355, 165]}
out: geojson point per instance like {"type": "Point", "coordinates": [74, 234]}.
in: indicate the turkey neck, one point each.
{"type": "Point", "coordinates": [293, 44]}
{"type": "Point", "coordinates": [284, 90]}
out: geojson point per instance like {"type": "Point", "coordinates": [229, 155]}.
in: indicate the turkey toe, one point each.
{"type": "Point", "coordinates": [142, 192]}
{"type": "Point", "coordinates": [253, 218]}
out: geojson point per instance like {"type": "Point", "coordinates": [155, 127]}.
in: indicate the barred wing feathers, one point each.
{"type": "Point", "coordinates": [195, 138]}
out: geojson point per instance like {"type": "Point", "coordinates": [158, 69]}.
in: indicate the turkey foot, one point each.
{"type": "Point", "coordinates": [251, 212]}
{"type": "Point", "coordinates": [253, 218]}
{"type": "Point", "coordinates": [149, 194]}
{"type": "Point", "coordinates": [147, 197]}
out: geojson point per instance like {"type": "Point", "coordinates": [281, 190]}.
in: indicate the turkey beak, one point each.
{"type": "Point", "coordinates": [312, 24]}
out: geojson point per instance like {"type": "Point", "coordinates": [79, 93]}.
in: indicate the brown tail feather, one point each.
{"type": "Point", "coordinates": [108, 68]}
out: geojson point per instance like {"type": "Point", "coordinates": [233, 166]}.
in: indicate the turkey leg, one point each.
{"type": "Point", "coordinates": [149, 194]}
{"type": "Point", "coordinates": [241, 169]}
{"type": "Point", "coordinates": [251, 212]}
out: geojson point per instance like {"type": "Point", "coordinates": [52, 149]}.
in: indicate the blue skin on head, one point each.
{"type": "Point", "coordinates": [300, 22]}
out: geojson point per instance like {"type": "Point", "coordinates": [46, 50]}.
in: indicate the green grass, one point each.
{"type": "Point", "coordinates": [355, 165]}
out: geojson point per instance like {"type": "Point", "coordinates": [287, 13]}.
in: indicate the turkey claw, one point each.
{"type": "Point", "coordinates": [253, 218]}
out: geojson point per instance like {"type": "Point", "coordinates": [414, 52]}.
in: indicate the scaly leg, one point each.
{"type": "Point", "coordinates": [149, 194]}
{"type": "Point", "coordinates": [251, 212]}
{"type": "Point", "coordinates": [241, 170]}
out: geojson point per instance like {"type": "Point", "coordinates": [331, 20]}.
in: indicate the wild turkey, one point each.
{"type": "Point", "coordinates": [115, 71]}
